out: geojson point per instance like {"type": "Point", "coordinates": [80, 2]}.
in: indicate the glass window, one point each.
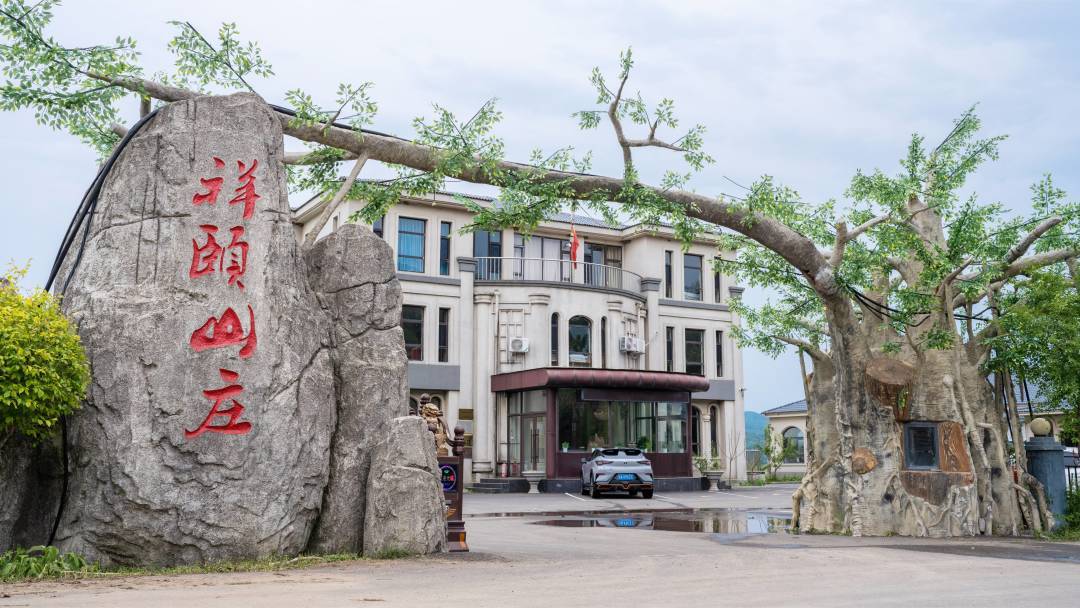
{"type": "Point", "coordinates": [667, 274]}
{"type": "Point", "coordinates": [444, 248]}
{"type": "Point", "coordinates": [377, 227]}
{"type": "Point", "coordinates": [412, 324]}
{"type": "Point", "coordinates": [692, 277]}
{"type": "Point", "coordinates": [411, 244]}
{"type": "Point", "coordinates": [694, 343]}
{"type": "Point", "coordinates": [582, 425]}
{"type": "Point", "coordinates": [652, 427]}
{"type": "Point", "coordinates": [555, 339]}
{"type": "Point", "coordinates": [920, 445]}
{"type": "Point", "coordinates": [716, 286]}
{"type": "Point", "coordinates": [444, 335]}
{"type": "Point", "coordinates": [670, 427]}
{"type": "Point", "coordinates": [793, 440]}
{"type": "Point", "coordinates": [580, 341]}
{"type": "Point", "coordinates": [669, 342]}
{"type": "Point", "coordinates": [488, 244]}
{"type": "Point", "coordinates": [714, 436]}
{"type": "Point", "coordinates": [719, 354]}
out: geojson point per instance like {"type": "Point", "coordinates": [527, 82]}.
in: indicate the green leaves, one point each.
{"type": "Point", "coordinates": [228, 63]}
{"type": "Point", "coordinates": [43, 370]}
{"type": "Point", "coordinates": [41, 562]}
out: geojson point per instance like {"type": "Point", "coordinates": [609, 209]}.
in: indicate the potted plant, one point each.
{"type": "Point", "coordinates": [566, 446]}
{"type": "Point", "coordinates": [712, 469]}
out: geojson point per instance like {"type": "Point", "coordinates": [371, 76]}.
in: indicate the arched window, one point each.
{"type": "Point", "coordinates": [555, 339]}
{"type": "Point", "coordinates": [580, 341]}
{"type": "Point", "coordinates": [794, 437]}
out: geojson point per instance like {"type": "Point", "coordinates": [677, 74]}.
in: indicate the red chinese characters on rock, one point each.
{"type": "Point", "coordinates": [232, 261]}
{"type": "Point", "coordinates": [233, 412]}
{"type": "Point", "coordinates": [226, 331]}
{"type": "Point", "coordinates": [210, 256]}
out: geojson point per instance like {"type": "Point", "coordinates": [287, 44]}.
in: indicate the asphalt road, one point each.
{"type": "Point", "coordinates": [579, 552]}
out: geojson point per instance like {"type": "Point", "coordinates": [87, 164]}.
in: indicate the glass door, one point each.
{"type": "Point", "coordinates": [533, 443]}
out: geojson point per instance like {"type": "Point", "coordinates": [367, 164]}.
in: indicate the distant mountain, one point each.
{"type": "Point", "coordinates": [755, 429]}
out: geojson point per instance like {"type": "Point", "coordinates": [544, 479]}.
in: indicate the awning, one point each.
{"type": "Point", "coordinates": [575, 377]}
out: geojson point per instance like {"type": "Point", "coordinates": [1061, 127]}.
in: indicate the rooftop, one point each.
{"type": "Point", "coordinates": [794, 407]}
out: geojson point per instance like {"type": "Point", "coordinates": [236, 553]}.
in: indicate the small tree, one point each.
{"type": "Point", "coordinates": [775, 450]}
{"type": "Point", "coordinates": [43, 370]}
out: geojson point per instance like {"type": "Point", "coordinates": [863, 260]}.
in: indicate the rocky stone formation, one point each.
{"type": "Point", "coordinates": [234, 411]}
{"type": "Point", "coordinates": [353, 273]}
{"type": "Point", "coordinates": [405, 500]}
{"type": "Point", "coordinates": [191, 298]}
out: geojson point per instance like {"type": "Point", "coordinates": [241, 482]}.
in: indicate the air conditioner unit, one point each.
{"type": "Point", "coordinates": [631, 344]}
{"type": "Point", "coordinates": [519, 345]}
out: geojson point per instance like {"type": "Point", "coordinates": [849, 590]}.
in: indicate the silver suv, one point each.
{"type": "Point", "coordinates": [607, 469]}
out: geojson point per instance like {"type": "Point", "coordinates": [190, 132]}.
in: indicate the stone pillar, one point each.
{"type": "Point", "coordinates": [1046, 461]}
{"type": "Point", "coordinates": [654, 337]}
{"type": "Point", "coordinates": [466, 334]}
{"type": "Point", "coordinates": [615, 358]}
{"type": "Point", "coordinates": [483, 366]}
{"type": "Point", "coordinates": [738, 424]}
{"type": "Point", "coordinates": [539, 327]}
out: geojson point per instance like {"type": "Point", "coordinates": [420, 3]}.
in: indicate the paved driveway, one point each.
{"type": "Point", "coordinates": [559, 555]}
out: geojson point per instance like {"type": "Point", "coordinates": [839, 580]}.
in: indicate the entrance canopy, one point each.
{"type": "Point", "coordinates": [618, 379]}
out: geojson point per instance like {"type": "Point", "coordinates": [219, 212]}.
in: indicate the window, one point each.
{"type": "Point", "coordinates": [695, 431]}
{"type": "Point", "coordinates": [669, 341]}
{"type": "Point", "coordinates": [921, 445]}
{"type": "Point", "coordinates": [648, 426]}
{"type": "Point", "coordinates": [667, 274]}
{"type": "Point", "coordinates": [444, 248]}
{"type": "Point", "coordinates": [555, 339]}
{"type": "Point", "coordinates": [719, 354]}
{"type": "Point", "coordinates": [692, 277]}
{"type": "Point", "coordinates": [412, 324]}
{"type": "Point", "coordinates": [716, 293]}
{"type": "Point", "coordinates": [603, 342]}
{"type": "Point", "coordinates": [377, 227]}
{"type": "Point", "coordinates": [488, 244]}
{"type": "Point", "coordinates": [580, 338]}
{"type": "Point", "coordinates": [444, 335]}
{"type": "Point", "coordinates": [793, 441]}
{"type": "Point", "coordinates": [335, 223]}
{"type": "Point", "coordinates": [410, 243]}
{"type": "Point", "coordinates": [694, 343]}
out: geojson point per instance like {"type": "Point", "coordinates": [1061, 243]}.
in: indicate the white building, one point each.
{"type": "Point", "coordinates": [540, 358]}
{"type": "Point", "coordinates": [789, 423]}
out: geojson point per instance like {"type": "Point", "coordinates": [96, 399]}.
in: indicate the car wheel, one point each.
{"type": "Point", "coordinates": [595, 493]}
{"type": "Point", "coordinates": [646, 493]}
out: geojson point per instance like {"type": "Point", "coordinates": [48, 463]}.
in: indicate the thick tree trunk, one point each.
{"type": "Point", "coordinates": [858, 479]}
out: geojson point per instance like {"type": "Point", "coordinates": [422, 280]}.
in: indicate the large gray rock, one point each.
{"type": "Point", "coordinates": [405, 509]}
{"type": "Point", "coordinates": [353, 273]}
{"type": "Point", "coordinates": [151, 484]}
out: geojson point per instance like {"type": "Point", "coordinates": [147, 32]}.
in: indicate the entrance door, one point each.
{"type": "Point", "coordinates": [533, 443]}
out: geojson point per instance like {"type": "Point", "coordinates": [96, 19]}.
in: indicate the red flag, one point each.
{"type": "Point", "coordinates": [574, 242]}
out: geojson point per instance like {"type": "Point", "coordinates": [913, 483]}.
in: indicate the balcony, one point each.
{"type": "Point", "coordinates": [558, 273]}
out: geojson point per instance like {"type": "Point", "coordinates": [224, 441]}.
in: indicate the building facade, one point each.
{"type": "Point", "coordinates": [541, 358]}
{"type": "Point", "coordinates": [789, 425]}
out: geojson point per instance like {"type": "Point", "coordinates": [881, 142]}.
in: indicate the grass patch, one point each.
{"type": "Point", "coordinates": [47, 563]}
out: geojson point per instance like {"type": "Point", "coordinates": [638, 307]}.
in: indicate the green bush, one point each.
{"type": "Point", "coordinates": [43, 369]}
{"type": "Point", "coordinates": [41, 562]}
{"type": "Point", "coordinates": [1072, 509]}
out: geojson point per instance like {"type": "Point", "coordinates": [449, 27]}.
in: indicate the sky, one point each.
{"type": "Point", "coordinates": [807, 92]}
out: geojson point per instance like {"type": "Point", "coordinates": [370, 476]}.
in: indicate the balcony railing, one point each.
{"type": "Point", "coordinates": [564, 271]}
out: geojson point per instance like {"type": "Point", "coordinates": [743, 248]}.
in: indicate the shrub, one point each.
{"type": "Point", "coordinates": [43, 369]}
{"type": "Point", "coordinates": [41, 562]}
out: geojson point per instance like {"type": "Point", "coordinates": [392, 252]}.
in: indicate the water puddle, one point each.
{"type": "Point", "coordinates": [713, 521]}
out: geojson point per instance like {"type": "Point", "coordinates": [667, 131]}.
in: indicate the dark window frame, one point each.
{"type": "Point", "coordinates": [377, 226]}
{"type": "Point", "coordinates": [444, 335]}
{"type": "Point", "coordinates": [717, 295]}
{"type": "Point", "coordinates": [693, 296]}
{"type": "Point", "coordinates": [909, 447]}
{"type": "Point", "coordinates": [799, 457]}
{"type": "Point", "coordinates": [570, 333]}
{"type": "Point", "coordinates": [699, 364]}
{"type": "Point", "coordinates": [445, 231]}
{"type": "Point", "coordinates": [603, 342]}
{"type": "Point", "coordinates": [423, 245]}
{"type": "Point", "coordinates": [669, 344]}
{"type": "Point", "coordinates": [668, 273]}
{"type": "Point", "coordinates": [719, 353]}
{"type": "Point", "coordinates": [555, 339]}
{"type": "Point", "coordinates": [413, 348]}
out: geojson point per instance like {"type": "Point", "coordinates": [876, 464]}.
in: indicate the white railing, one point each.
{"type": "Point", "coordinates": [542, 269]}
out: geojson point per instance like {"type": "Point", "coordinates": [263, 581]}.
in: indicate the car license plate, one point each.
{"type": "Point", "coordinates": [625, 523]}
{"type": "Point", "coordinates": [626, 477]}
